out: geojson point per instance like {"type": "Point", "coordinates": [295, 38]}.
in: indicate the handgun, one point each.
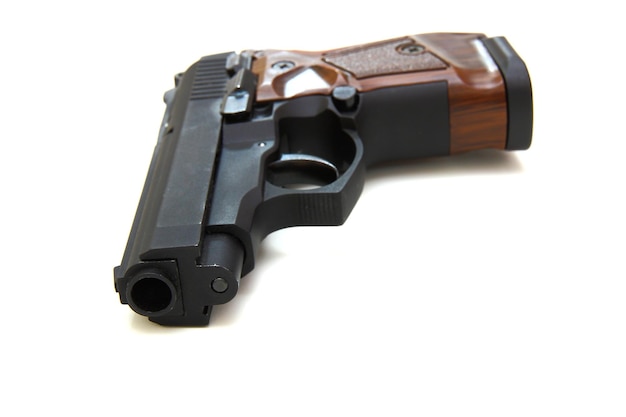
{"type": "Point", "coordinates": [261, 140]}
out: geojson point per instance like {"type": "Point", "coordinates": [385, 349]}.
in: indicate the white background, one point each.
{"type": "Point", "coordinates": [488, 284]}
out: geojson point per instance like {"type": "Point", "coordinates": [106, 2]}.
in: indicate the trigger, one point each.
{"type": "Point", "coordinates": [301, 171]}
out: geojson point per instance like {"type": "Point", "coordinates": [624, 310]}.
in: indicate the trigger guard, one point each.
{"type": "Point", "coordinates": [327, 205]}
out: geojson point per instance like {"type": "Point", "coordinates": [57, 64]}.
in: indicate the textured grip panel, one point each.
{"type": "Point", "coordinates": [384, 58]}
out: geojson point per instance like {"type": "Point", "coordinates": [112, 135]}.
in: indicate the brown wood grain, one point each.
{"type": "Point", "coordinates": [476, 92]}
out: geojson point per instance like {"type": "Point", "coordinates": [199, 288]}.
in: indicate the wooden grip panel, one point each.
{"type": "Point", "coordinates": [476, 91]}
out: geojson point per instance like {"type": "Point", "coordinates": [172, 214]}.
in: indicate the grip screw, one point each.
{"type": "Point", "coordinates": [283, 65]}
{"type": "Point", "coordinates": [410, 49]}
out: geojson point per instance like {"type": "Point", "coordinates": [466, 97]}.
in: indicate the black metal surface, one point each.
{"type": "Point", "coordinates": [518, 93]}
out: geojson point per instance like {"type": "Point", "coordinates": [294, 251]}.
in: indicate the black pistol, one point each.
{"type": "Point", "coordinates": [262, 140]}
